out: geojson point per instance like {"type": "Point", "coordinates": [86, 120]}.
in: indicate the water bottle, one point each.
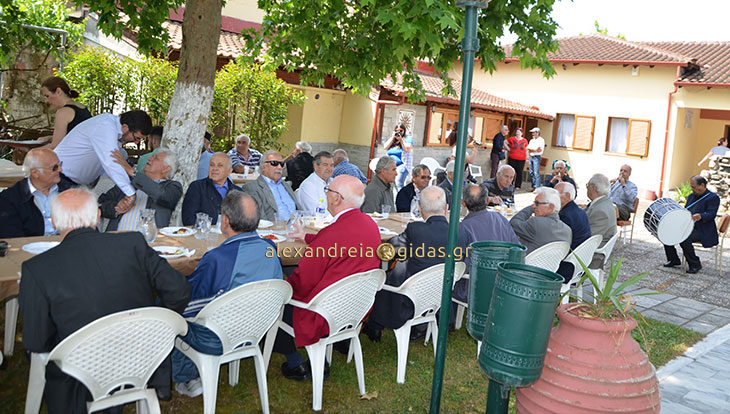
{"type": "Point", "coordinates": [320, 213]}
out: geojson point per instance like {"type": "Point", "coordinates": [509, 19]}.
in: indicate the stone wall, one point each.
{"type": "Point", "coordinates": [718, 180]}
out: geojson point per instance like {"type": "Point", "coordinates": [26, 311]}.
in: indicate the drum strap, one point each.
{"type": "Point", "coordinates": [697, 201]}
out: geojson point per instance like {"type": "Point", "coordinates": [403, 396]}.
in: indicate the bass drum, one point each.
{"type": "Point", "coordinates": [668, 221]}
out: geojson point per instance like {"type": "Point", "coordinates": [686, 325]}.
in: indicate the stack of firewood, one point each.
{"type": "Point", "coordinates": [718, 180]}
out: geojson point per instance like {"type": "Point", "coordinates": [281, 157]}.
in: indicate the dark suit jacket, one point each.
{"type": "Point", "coordinates": [576, 218]}
{"type": "Point", "coordinates": [447, 186]}
{"type": "Point", "coordinates": [19, 216]}
{"type": "Point", "coordinates": [391, 309]}
{"type": "Point", "coordinates": [161, 197]}
{"type": "Point", "coordinates": [707, 208]}
{"type": "Point", "coordinates": [202, 197]}
{"type": "Point", "coordinates": [548, 181]}
{"type": "Point", "coordinates": [299, 168]}
{"type": "Point", "coordinates": [404, 198]}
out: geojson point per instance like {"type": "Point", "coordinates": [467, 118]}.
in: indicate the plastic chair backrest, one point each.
{"type": "Point", "coordinates": [549, 256]}
{"type": "Point", "coordinates": [636, 205]}
{"type": "Point", "coordinates": [607, 248]}
{"type": "Point", "coordinates": [425, 287]}
{"type": "Point", "coordinates": [585, 252]}
{"type": "Point", "coordinates": [244, 314]}
{"type": "Point", "coordinates": [724, 222]}
{"type": "Point", "coordinates": [119, 349]}
{"type": "Point", "coordinates": [345, 303]}
{"type": "Point", "coordinates": [373, 164]}
{"type": "Point", "coordinates": [432, 164]}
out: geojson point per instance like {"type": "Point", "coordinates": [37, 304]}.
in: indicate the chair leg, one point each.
{"type": "Point", "coordinates": [356, 348]}
{"type": "Point", "coordinates": [329, 354]}
{"type": "Point", "coordinates": [479, 347]}
{"type": "Point", "coordinates": [316, 359]}
{"type": "Point", "coordinates": [269, 344]}
{"type": "Point", "coordinates": [350, 352]}
{"type": "Point", "coordinates": [402, 338]}
{"type": "Point", "coordinates": [459, 316]}
{"type": "Point", "coordinates": [36, 384]}
{"type": "Point", "coordinates": [579, 292]}
{"type": "Point", "coordinates": [233, 370]}
{"type": "Point", "coordinates": [434, 334]}
{"type": "Point", "coordinates": [258, 361]}
{"type": "Point", "coordinates": [149, 404]}
{"type": "Point", "coordinates": [11, 323]}
{"type": "Point", "coordinates": [209, 370]}
{"type": "Point", "coordinates": [563, 289]}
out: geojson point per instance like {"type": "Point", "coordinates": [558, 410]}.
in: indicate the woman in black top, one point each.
{"type": "Point", "coordinates": [69, 113]}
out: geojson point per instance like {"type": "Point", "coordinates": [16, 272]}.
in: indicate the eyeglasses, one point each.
{"type": "Point", "coordinates": [275, 163]}
{"type": "Point", "coordinates": [538, 203]}
{"type": "Point", "coordinates": [425, 177]}
{"type": "Point", "coordinates": [55, 168]}
{"type": "Point", "coordinates": [327, 189]}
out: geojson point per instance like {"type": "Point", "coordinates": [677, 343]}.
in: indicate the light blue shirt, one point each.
{"type": "Point", "coordinates": [43, 202]}
{"type": "Point", "coordinates": [284, 203]}
{"type": "Point", "coordinates": [204, 164]}
{"type": "Point", "coordinates": [623, 195]}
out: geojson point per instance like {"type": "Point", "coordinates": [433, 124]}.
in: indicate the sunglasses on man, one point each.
{"type": "Point", "coordinates": [54, 168]}
{"type": "Point", "coordinates": [275, 163]}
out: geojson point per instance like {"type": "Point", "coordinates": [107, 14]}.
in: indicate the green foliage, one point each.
{"type": "Point", "coordinates": [250, 99]}
{"type": "Point", "coordinates": [109, 83]}
{"type": "Point", "coordinates": [683, 191]}
{"type": "Point", "coordinates": [16, 39]}
{"type": "Point", "coordinates": [604, 30]}
{"type": "Point", "coordinates": [363, 42]}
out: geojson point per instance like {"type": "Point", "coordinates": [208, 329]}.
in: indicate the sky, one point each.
{"type": "Point", "coordinates": [644, 20]}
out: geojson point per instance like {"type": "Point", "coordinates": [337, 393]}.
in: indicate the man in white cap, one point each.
{"type": "Point", "coordinates": [535, 149]}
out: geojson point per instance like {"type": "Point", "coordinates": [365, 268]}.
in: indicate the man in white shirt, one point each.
{"type": "Point", "coordinates": [311, 191]}
{"type": "Point", "coordinates": [535, 149]}
{"type": "Point", "coordinates": [87, 150]}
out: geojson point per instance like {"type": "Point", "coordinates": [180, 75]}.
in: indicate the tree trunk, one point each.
{"type": "Point", "coordinates": [190, 105]}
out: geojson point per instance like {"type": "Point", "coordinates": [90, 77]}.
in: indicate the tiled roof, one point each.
{"type": "Point", "coordinates": [433, 85]}
{"type": "Point", "coordinates": [229, 45]}
{"type": "Point", "coordinates": [713, 61]}
{"type": "Point", "coordinates": [600, 48]}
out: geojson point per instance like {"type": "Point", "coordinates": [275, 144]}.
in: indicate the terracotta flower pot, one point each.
{"type": "Point", "coordinates": [592, 365]}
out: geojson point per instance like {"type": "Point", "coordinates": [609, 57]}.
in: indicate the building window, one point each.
{"type": "Point", "coordinates": [575, 131]}
{"type": "Point", "coordinates": [628, 136]}
{"type": "Point", "coordinates": [482, 126]}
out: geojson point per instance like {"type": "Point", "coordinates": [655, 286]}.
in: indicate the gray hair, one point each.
{"type": "Point", "coordinates": [475, 200]}
{"type": "Point", "coordinates": [32, 160]}
{"type": "Point", "coordinates": [505, 167]}
{"type": "Point", "coordinates": [383, 162]}
{"type": "Point", "coordinates": [320, 155]}
{"type": "Point", "coordinates": [418, 169]}
{"type": "Point", "coordinates": [224, 154]}
{"type": "Point", "coordinates": [432, 200]}
{"type": "Point", "coordinates": [566, 188]}
{"type": "Point", "coordinates": [450, 166]}
{"type": "Point", "coordinates": [244, 136]}
{"type": "Point", "coordinates": [170, 160]}
{"type": "Point", "coordinates": [66, 218]}
{"type": "Point", "coordinates": [339, 154]}
{"type": "Point", "coordinates": [600, 183]}
{"type": "Point", "coordinates": [550, 195]}
{"type": "Point", "coordinates": [265, 156]}
{"type": "Point", "coordinates": [240, 218]}
{"type": "Point", "coordinates": [304, 146]}
{"type": "Point", "coordinates": [560, 163]}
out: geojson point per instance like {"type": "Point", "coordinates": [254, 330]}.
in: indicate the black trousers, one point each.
{"type": "Point", "coordinates": [519, 166]}
{"type": "Point", "coordinates": [494, 160]}
{"type": "Point", "coordinates": [689, 251]}
{"type": "Point", "coordinates": [624, 213]}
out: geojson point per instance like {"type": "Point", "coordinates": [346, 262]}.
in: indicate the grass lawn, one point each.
{"type": "Point", "coordinates": [464, 391]}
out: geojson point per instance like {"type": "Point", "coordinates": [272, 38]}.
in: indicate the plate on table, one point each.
{"type": "Point", "coordinates": [177, 231]}
{"type": "Point", "coordinates": [39, 247]}
{"type": "Point", "coordinates": [387, 232]}
{"type": "Point", "coordinates": [265, 224]}
{"type": "Point", "coordinates": [378, 216]}
{"type": "Point", "coordinates": [171, 252]}
{"type": "Point", "coordinates": [276, 238]}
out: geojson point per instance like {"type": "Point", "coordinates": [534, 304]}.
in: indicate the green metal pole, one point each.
{"type": "Point", "coordinates": [497, 398]}
{"type": "Point", "coordinates": [470, 45]}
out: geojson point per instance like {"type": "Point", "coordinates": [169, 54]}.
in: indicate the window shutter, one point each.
{"type": "Point", "coordinates": [583, 132]}
{"type": "Point", "coordinates": [639, 131]}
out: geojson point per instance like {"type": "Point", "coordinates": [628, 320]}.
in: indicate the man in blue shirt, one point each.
{"type": "Point", "coordinates": [273, 195]}
{"type": "Point", "coordinates": [343, 166]}
{"type": "Point", "coordinates": [623, 192]}
{"type": "Point", "coordinates": [241, 259]}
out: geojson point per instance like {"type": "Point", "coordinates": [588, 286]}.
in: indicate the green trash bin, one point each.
{"type": "Point", "coordinates": [485, 256]}
{"type": "Point", "coordinates": [518, 325]}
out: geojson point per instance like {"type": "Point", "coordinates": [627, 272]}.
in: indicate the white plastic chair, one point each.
{"type": "Point", "coordinates": [475, 170]}
{"type": "Point", "coordinates": [606, 252]}
{"type": "Point", "coordinates": [424, 290]}
{"type": "Point", "coordinates": [460, 307]}
{"type": "Point", "coordinates": [373, 163]}
{"type": "Point", "coordinates": [585, 252]}
{"type": "Point", "coordinates": [549, 256]}
{"type": "Point", "coordinates": [240, 318]}
{"type": "Point", "coordinates": [432, 165]}
{"type": "Point", "coordinates": [11, 324]}
{"type": "Point", "coordinates": [343, 305]}
{"type": "Point", "coordinates": [121, 349]}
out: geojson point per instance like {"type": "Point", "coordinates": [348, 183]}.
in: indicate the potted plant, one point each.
{"type": "Point", "coordinates": [593, 363]}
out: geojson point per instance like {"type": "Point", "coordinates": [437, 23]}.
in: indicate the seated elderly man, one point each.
{"type": "Point", "coordinates": [343, 166]}
{"type": "Point", "coordinates": [274, 196]}
{"type": "Point", "coordinates": [311, 192]}
{"type": "Point", "coordinates": [25, 208]}
{"type": "Point", "coordinates": [155, 190]}
{"type": "Point", "coordinates": [500, 188]}
{"type": "Point", "coordinates": [242, 155]}
{"type": "Point", "coordinates": [560, 174]}
{"type": "Point", "coordinates": [479, 225]}
{"type": "Point", "coordinates": [601, 212]}
{"type": "Point", "coordinates": [205, 195]}
{"type": "Point", "coordinates": [87, 276]}
{"type": "Point", "coordinates": [539, 224]}
{"type": "Point", "coordinates": [392, 310]}
{"type": "Point", "coordinates": [241, 259]}
{"type": "Point", "coordinates": [350, 229]}
{"type": "Point", "coordinates": [623, 192]}
{"type": "Point", "coordinates": [572, 215]}
{"type": "Point", "coordinates": [420, 178]}
{"type": "Point", "coordinates": [299, 164]}
{"type": "Point", "coordinates": [379, 192]}
{"type": "Point", "coordinates": [448, 183]}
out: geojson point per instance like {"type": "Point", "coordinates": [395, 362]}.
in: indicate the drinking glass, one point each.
{"type": "Point", "coordinates": [295, 218]}
{"type": "Point", "coordinates": [211, 241]}
{"type": "Point", "coordinates": [385, 210]}
{"type": "Point", "coordinates": [147, 225]}
{"type": "Point", "coordinates": [202, 225]}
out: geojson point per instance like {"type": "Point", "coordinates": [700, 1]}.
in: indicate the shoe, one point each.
{"type": "Point", "coordinates": [671, 264]}
{"type": "Point", "coordinates": [192, 388]}
{"type": "Point", "coordinates": [693, 270]}
{"type": "Point", "coordinates": [342, 347]}
{"type": "Point", "coordinates": [164, 394]}
{"type": "Point", "coordinates": [372, 334]}
{"type": "Point", "coordinates": [418, 332]}
{"type": "Point", "coordinates": [300, 373]}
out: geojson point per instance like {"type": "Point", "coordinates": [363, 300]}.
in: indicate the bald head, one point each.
{"type": "Point", "coordinates": [345, 192]}
{"type": "Point", "coordinates": [432, 201]}
{"type": "Point", "coordinates": [74, 209]}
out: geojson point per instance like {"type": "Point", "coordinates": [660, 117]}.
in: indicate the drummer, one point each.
{"type": "Point", "coordinates": [703, 204]}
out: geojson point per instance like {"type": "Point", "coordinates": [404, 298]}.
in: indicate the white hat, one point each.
{"type": "Point", "coordinates": [536, 129]}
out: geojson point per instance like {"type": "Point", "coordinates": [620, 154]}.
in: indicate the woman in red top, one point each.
{"type": "Point", "coordinates": [517, 149]}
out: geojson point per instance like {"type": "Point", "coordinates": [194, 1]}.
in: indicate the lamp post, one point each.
{"type": "Point", "coordinates": [470, 44]}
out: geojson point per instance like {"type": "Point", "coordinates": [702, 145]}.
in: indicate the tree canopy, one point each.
{"type": "Point", "coordinates": [362, 42]}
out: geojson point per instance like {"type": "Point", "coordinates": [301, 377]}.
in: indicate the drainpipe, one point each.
{"type": "Point", "coordinates": [375, 126]}
{"type": "Point", "coordinates": [666, 133]}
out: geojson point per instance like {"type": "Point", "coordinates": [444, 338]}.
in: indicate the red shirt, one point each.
{"type": "Point", "coordinates": [517, 148]}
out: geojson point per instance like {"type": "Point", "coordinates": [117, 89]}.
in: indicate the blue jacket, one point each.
{"type": "Point", "coordinates": [707, 206]}
{"type": "Point", "coordinates": [202, 197]}
{"type": "Point", "coordinates": [577, 219]}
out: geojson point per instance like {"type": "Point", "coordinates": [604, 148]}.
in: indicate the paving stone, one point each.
{"type": "Point", "coordinates": [677, 309]}
{"type": "Point", "coordinates": [693, 304]}
{"type": "Point", "coordinates": [646, 301]}
{"type": "Point", "coordinates": [662, 297]}
{"type": "Point", "coordinates": [665, 317]}
{"type": "Point", "coordinates": [700, 327]}
{"type": "Point", "coordinates": [712, 319]}
{"type": "Point", "coordinates": [670, 407]}
{"type": "Point", "coordinates": [706, 402]}
{"type": "Point", "coordinates": [721, 312]}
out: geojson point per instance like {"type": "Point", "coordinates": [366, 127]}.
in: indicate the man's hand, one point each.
{"type": "Point", "coordinates": [696, 217]}
{"type": "Point", "coordinates": [125, 204]}
{"type": "Point", "coordinates": [298, 234]}
{"type": "Point", "coordinates": [495, 200]}
{"type": "Point", "coordinates": [556, 179]}
{"type": "Point", "coordinates": [118, 158]}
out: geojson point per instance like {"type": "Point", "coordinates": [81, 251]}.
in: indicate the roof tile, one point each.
{"type": "Point", "coordinates": [230, 44]}
{"type": "Point", "coordinates": [713, 59]}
